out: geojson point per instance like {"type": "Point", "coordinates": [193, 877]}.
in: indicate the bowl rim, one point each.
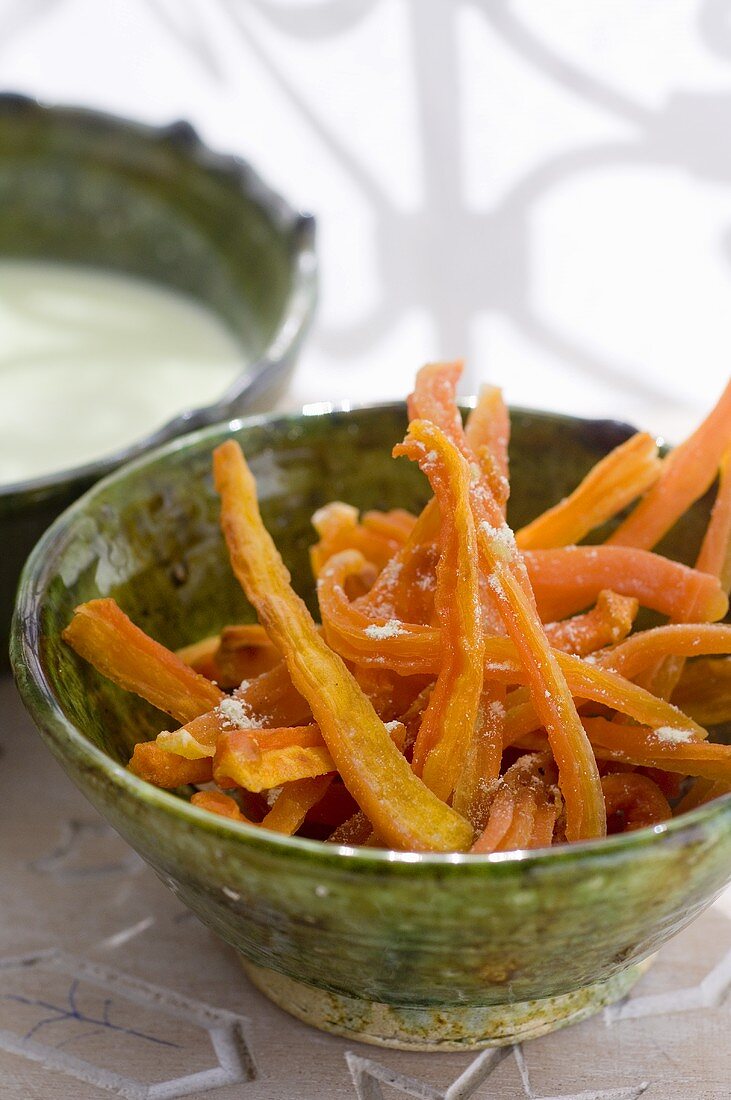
{"type": "Point", "coordinates": [297, 309]}
{"type": "Point", "coordinates": [42, 705]}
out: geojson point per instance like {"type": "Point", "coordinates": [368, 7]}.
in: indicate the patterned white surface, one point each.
{"type": "Point", "coordinates": [544, 188]}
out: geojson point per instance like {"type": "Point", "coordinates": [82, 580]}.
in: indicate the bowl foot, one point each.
{"type": "Point", "coordinates": [438, 1027]}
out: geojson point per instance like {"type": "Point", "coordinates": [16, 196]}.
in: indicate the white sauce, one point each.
{"type": "Point", "coordinates": [92, 361]}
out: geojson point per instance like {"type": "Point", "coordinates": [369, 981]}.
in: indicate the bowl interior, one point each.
{"type": "Point", "coordinates": [149, 535]}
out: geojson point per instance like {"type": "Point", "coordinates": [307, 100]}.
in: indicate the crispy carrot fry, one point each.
{"type": "Point", "coordinates": [449, 719]}
{"type": "Point", "coordinates": [610, 620]}
{"type": "Point", "coordinates": [665, 749]}
{"type": "Point", "coordinates": [623, 475]}
{"type": "Point", "coordinates": [244, 652]}
{"type": "Point", "coordinates": [686, 474]}
{"type": "Point", "coordinates": [473, 791]}
{"type": "Point", "coordinates": [259, 760]}
{"type": "Point", "coordinates": [676, 640]}
{"type": "Point", "coordinates": [165, 769]}
{"type": "Point", "coordinates": [398, 804]}
{"type": "Point", "coordinates": [633, 799]}
{"type": "Point", "coordinates": [568, 579]}
{"type": "Point", "coordinates": [339, 529]}
{"type": "Point", "coordinates": [102, 634]}
{"type": "Point", "coordinates": [488, 425]}
{"type": "Point", "coordinates": [269, 760]}
{"type": "Point", "coordinates": [221, 804]}
{"type": "Point", "coordinates": [294, 803]}
{"type": "Point", "coordinates": [201, 657]}
{"type": "Point", "coordinates": [578, 775]}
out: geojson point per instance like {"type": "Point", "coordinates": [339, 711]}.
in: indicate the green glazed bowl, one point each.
{"type": "Point", "coordinates": [422, 951]}
{"type": "Point", "coordinates": [81, 187]}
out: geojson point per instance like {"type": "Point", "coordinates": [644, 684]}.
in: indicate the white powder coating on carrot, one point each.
{"type": "Point", "coordinates": [497, 709]}
{"type": "Point", "coordinates": [672, 736]}
{"type": "Point", "coordinates": [236, 714]}
{"type": "Point", "coordinates": [391, 629]}
{"type": "Point", "coordinates": [502, 539]}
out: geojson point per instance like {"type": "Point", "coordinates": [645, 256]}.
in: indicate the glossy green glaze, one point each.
{"type": "Point", "coordinates": [410, 932]}
{"type": "Point", "coordinates": [82, 187]}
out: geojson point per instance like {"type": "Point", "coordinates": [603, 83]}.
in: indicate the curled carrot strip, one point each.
{"type": "Point", "coordinates": [450, 716]}
{"type": "Point", "coordinates": [669, 750]}
{"type": "Point", "coordinates": [610, 486]}
{"type": "Point", "coordinates": [715, 552]}
{"type": "Point", "coordinates": [570, 578]}
{"type": "Point", "coordinates": [483, 757]}
{"type": "Point", "coordinates": [609, 621]}
{"type": "Point", "coordinates": [339, 529]}
{"type": "Point", "coordinates": [102, 634]}
{"type": "Point", "coordinates": [677, 640]}
{"type": "Point", "coordinates": [401, 808]}
{"type": "Point", "coordinates": [633, 801]}
{"type": "Point", "coordinates": [687, 472]}
{"type": "Point", "coordinates": [244, 652]}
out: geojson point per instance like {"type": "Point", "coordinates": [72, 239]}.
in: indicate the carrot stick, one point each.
{"type": "Point", "coordinates": [294, 803]}
{"type": "Point", "coordinates": [570, 578]}
{"type": "Point", "coordinates": [221, 804]}
{"type": "Point", "coordinates": [449, 719]}
{"type": "Point", "coordinates": [686, 474]}
{"type": "Point", "coordinates": [272, 759]}
{"type": "Point", "coordinates": [610, 620]}
{"type": "Point", "coordinates": [165, 769]}
{"type": "Point", "coordinates": [402, 809]}
{"type": "Point", "coordinates": [659, 749]}
{"type": "Point", "coordinates": [642, 650]}
{"type": "Point", "coordinates": [623, 475]}
{"type": "Point", "coordinates": [482, 761]}
{"type": "Point", "coordinates": [102, 634]}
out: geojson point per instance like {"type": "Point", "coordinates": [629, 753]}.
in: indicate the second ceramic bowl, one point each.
{"type": "Point", "coordinates": [82, 187]}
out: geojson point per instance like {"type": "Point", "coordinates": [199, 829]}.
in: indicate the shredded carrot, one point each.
{"type": "Point", "coordinates": [449, 719]}
{"type": "Point", "coordinates": [625, 474]}
{"type": "Point", "coordinates": [686, 474]}
{"type": "Point", "coordinates": [102, 634]}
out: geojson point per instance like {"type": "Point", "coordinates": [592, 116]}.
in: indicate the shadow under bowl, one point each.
{"type": "Point", "coordinates": [81, 187]}
{"type": "Point", "coordinates": [421, 951]}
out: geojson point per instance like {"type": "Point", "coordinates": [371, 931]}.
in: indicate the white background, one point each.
{"type": "Point", "coordinates": [543, 188]}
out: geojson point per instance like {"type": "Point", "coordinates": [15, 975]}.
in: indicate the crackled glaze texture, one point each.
{"type": "Point", "coordinates": [438, 934]}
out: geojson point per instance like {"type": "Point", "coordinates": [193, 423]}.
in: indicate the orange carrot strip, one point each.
{"type": "Point", "coordinates": [449, 719]}
{"type": "Point", "coordinates": [244, 652]}
{"type": "Point", "coordinates": [339, 529]}
{"type": "Point", "coordinates": [635, 799]}
{"type": "Point", "coordinates": [269, 760]}
{"type": "Point", "coordinates": [677, 640]}
{"type": "Point", "coordinates": [645, 747]}
{"type": "Point", "coordinates": [201, 656]}
{"type": "Point", "coordinates": [686, 474]}
{"type": "Point", "coordinates": [519, 832]}
{"type": "Point", "coordinates": [715, 552]}
{"type": "Point", "coordinates": [482, 761]}
{"type": "Point", "coordinates": [221, 804]}
{"type": "Point", "coordinates": [701, 792]}
{"type": "Point", "coordinates": [488, 426]}
{"type": "Point", "coordinates": [619, 478]}
{"type": "Point", "coordinates": [102, 634]}
{"type": "Point", "coordinates": [294, 803]}
{"type": "Point", "coordinates": [578, 774]}
{"type": "Point", "coordinates": [704, 691]}
{"type": "Point", "coordinates": [610, 620]}
{"type": "Point", "coordinates": [400, 806]}
{"type": "Point", "coordinates": [396, 525]}
{"type": "Point", "coordinates": [570, 578]}
{"type": "Point", "coordinates": [499, 821]}
{"type": "Point", "coordinates": [165, 769]}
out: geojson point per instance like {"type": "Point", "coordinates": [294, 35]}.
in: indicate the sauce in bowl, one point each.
{"type": "Point", "coordinates": [91, 361]}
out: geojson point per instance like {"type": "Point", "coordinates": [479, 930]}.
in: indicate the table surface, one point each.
{"type": "Point", "coordinates": [102, 969]}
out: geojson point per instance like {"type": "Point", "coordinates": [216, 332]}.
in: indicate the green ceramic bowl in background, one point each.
{"type": "Point", "coordinates": [81, 187]}
{"type": "Point", "coordinates": [428, 951]}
